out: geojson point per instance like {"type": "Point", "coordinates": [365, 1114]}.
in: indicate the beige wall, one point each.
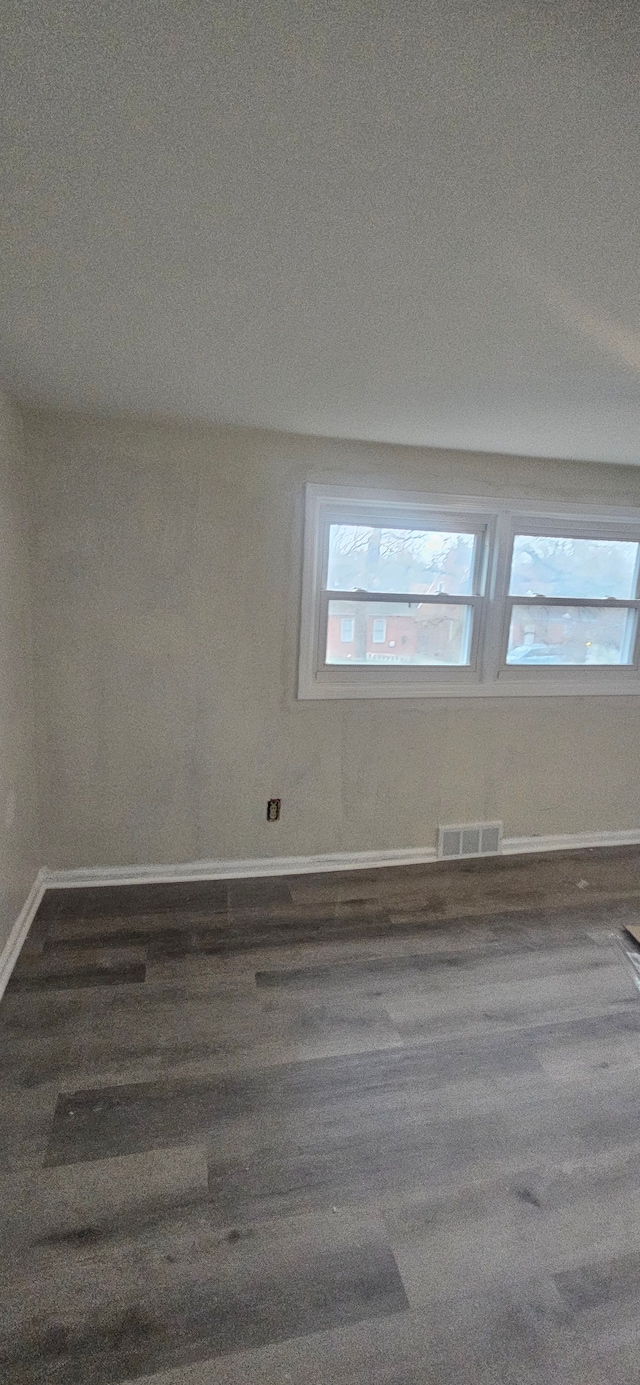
{"type": "Point", "coordinates": [19, 852]}
{"type": "Point", "coordinates": [167, 568]}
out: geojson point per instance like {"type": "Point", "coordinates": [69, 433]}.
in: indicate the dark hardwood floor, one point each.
{"type": "Point", "coordinates": [376, 1127]}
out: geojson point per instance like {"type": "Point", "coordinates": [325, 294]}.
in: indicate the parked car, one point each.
{"type": "Point", "coordinates": [538, 654]}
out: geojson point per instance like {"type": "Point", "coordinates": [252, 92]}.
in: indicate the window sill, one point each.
{"type": "Point", "coordinates": [325, 690]}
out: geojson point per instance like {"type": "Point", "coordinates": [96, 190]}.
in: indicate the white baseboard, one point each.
{"type": "Point", "coordinates": [307, 865]}
{"type": "Point", "coordinates": [238, 870]}
{"type": "Point", "coordinates": [570, 841]}
{"type": "Point", "coordinates": [13, 945]}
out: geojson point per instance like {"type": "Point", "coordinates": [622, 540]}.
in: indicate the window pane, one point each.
{"type": "Point", "coordinates": [550, 566]}
{"type": "Point", "coordinates": [400, 560]}
{"type": "Point", "coordinates": [577, 635]}
{"type": "Point", "coordinates": [399, 633]}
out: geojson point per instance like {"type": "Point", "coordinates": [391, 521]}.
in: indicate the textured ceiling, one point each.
{"type": "Point", "coordinates": [406, 221]}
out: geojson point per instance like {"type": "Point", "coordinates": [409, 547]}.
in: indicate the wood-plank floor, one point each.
{"type": "Point", "coordinates": [371, 1127]}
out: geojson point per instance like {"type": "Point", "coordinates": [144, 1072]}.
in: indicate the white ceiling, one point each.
{"type": "Point", "coordinates": [406, 221]}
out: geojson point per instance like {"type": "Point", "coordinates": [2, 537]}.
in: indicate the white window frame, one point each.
{"type": "Point", "coordinates": [497, 521]}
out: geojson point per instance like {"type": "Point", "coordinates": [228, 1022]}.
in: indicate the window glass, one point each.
{"type": "Point", "coordinates": [424, 561]}
{"type": "Point", "coordinates": [399, 633]}
{"type": "Point", "coordinates": [432, 595]}
{"type": "Point", "coordinates": [545, 565]}
{"type": "Point", "coordinates": [575, 635]}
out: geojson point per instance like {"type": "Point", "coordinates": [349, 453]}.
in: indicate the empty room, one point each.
{"type": "Point", "coordinates": [320, 692]}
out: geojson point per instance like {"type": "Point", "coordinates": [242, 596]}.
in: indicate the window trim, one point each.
{"type": "Point", "coordinates": [487, 675]}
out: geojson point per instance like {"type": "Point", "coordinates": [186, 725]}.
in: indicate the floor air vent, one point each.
{"type": "Point", "coordinates": [470, 839]}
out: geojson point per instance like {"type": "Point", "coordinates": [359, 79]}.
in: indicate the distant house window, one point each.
{"type": "Point", "coordinates": [446, 597]}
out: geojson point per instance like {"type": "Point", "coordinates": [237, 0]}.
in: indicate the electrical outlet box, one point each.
{"type": "Point", "coordinates": [273, 809]}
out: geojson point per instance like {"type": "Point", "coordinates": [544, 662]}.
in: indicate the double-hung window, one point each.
{"type": "Point", "coordinates": [412, 596]}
